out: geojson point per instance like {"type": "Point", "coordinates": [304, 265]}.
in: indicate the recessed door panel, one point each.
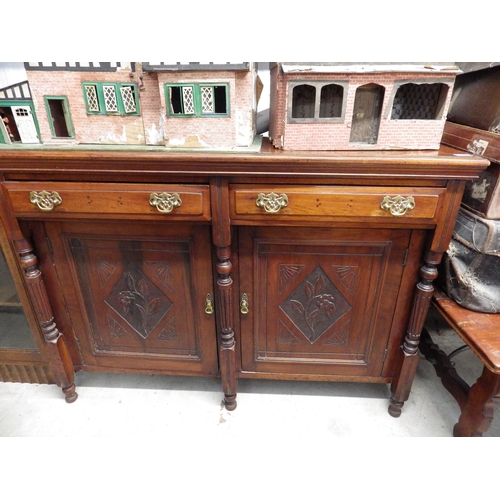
{"type": "Point", "coordinates": [322, 300]}
{"type": "Point", "coordinates": [140, 292]}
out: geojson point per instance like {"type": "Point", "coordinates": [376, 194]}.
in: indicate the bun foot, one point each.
{"type": "Point", "coordinates": [230, 402]}
{"type": "Point", "coordinates": [70, 393]}
{"type": "Point", "coordinates": [395, 408]}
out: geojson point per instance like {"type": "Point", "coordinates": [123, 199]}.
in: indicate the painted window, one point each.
{"type": "Point", "coordinates": [197, 99]}
{"type": "Point", "coordinates": [111, 98]}
{"type": "Point", "coordinates": [317, 101]}
{"type": "Point", "coordinates": [423, 101]}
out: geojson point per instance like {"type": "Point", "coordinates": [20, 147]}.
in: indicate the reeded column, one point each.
{"type": "Point", "coordinates": [401, 385]}
{"type": "Point", "coordinates": [56, 349]}
{"type": "Point", "coordinates": [221, 231]}
{"type": "Point", "coordinates": [227, 342]}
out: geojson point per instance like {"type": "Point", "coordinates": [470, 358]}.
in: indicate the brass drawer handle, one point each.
{"type": "Point", "coordinates": [45, 200]}
{"type": "Point", "coordinates": [165, 202]}
{"type": "Point", "coordinates": [209, 304]}
{"type": "Point", "coordinates": [244, 304]}
{"type": "Point", "coordinates": [398, 205]}
{"type": "Point", "coordinates": [272, 203]}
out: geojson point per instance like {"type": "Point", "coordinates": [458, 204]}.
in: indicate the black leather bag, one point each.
{"type": "Point", "coordinates": [470, 272]}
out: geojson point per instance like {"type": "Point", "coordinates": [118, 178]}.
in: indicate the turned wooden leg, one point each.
{"type": "Point", "coordinates": [478, 411]}
{"type": "Point", "coordinates": [227, 342]}
{"type": "Point", "coordinates": [55, 345]}
{"type": "Point", "coordinates": [401, 386]}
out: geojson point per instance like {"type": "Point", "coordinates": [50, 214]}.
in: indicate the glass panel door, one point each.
{"type": "Point", "coordinates": [15, 332]}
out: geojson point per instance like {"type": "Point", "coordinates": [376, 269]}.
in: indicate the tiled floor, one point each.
{"type": "Point", "coordinates": [122, 405]}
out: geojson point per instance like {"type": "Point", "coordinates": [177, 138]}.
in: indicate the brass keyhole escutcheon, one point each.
{"type": "Point", "coordinates": [272, 203]}
{"type": "Point", "coordinates": [209, 304]}
{"type": "Point", "coordinates": [244, 304]}
{"type": "Point", "coordinates": [165, 202]}
{"type": "Point", "coordinates": [45, 200]}
{"type": "Point", "coordinates": [398, 205]}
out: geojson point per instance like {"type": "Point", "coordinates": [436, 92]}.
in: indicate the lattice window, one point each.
{"type": "Point", "coordinates": [197, 100]}
{"type": "Point", "coordinates": [128, 99]}
{"type": "Point", "coordinates": [207, 99]}
{"type": "Point", "coordinates": [188, 100]}
{"type": "Point", "coordinates": [21, 112]}
{"type": "Point", "coordinates": [111, 98]}
{"type": "Point", "coordinates": [110, 102]}
{"type": "Point", "coordinates": [417, 102]}
{"type": "Point", "coordinates": [92, 100]}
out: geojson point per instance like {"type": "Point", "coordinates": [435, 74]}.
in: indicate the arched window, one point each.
{"type": "Point", "coordinates": [331, 101]}
{"type": "Point", "coordinates": [317, 101]}
{"type": "Point", "coordinates": [421, 101]}
{"type": "Point", "coordinates": [303, 101]}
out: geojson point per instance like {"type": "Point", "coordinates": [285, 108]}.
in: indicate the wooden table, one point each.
{"type": "Point", "coordinates": [480, 332]}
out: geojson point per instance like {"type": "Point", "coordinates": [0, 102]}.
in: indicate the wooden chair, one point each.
{"type": "Point", "coordinates": [480, 332]}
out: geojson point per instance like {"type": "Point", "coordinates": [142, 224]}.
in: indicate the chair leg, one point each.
{"type": "Point", "coordinates": [479, 408]}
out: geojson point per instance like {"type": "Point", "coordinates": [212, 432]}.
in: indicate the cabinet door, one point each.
{"type": "Point", "coordinates": [321, 301]}
{"type": "Point", "coordinates": [21, 347]}
{"type": "Point", "coordinates": [136, 294]}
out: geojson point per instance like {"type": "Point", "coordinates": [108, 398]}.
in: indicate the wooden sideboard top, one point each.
{"type": "Point", "coordinates": [102, 163]}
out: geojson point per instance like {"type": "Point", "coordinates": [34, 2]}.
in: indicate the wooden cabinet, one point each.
{"type": "Point", "coordinates": [266, 265]}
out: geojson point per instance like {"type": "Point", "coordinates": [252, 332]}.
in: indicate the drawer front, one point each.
{"type": "Point", "coordinates": [318, 202]}
{"type": "Point", "coordinates": [99, 200]}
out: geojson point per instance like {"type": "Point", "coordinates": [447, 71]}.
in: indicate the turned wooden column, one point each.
{"type": "Point", "coordinates": [225, 292]}
{"type": "Point", "coordinates": [56, 349]}
{"type": "Point", "coordinates": [401, 386]}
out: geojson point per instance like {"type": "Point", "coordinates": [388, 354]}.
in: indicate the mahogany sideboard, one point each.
{"type": "Point", "coordinates": [303, 265]}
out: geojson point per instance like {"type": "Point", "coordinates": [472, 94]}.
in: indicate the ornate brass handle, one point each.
{"type": "Point", "coordinates": [165, 202]}
{"type": "Point", "coordinates": [45, 200]}
{"type": "Point", "coordinates": [244, 304]}
{"type": "Point", "coordinates": [272, 203]}
{"type": "Point", "coordinates": [398, 205]}
{"type": "Point", "coordinates": [209, 304]}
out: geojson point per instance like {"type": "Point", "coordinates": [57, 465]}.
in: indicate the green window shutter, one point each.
{"type": "Point", "coordinates": [91, 98]}
{"type": "Point", "coordinates": [109, 98]}
{"type": "Point", "coordinates": [128, 99]}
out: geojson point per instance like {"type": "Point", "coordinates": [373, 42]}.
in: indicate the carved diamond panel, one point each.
{"type": "Point", "coordinates": [138, 301]}
{"type": "Point", "coordinates": [315, 305]}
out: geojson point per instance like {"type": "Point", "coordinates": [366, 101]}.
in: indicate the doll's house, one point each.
{"type": "Point", "coordinates": [177, 105]}
{"type": "Point", "coordinates": [359, 106]}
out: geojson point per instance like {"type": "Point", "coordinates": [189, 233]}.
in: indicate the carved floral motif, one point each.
{"type": "Point", "coordinates": [137, 300]}
{"type": "Point", "coordinates": [316, 305]}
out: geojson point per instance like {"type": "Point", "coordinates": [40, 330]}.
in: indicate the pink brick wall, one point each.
{"type": "Point", "coordinates": [393, 134]}
{"type": "Point", "coordinates": [89, 129]}
{"type": "Point", "coordinates": [238, 129]}
{"type": "Point", "coordinates": [152, 126]}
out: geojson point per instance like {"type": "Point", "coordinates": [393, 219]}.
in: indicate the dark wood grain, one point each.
{"type": "Point", "coordinates": [332, 282]}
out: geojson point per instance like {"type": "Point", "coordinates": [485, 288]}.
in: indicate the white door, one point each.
{"type": "Point", "coordinates": [25, 124]}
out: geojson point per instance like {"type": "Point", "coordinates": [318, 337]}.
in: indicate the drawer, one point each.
{"type": "Point", "coordinates": [114, 200]}
{"type": "Point", "coordinates": [318, 202]}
